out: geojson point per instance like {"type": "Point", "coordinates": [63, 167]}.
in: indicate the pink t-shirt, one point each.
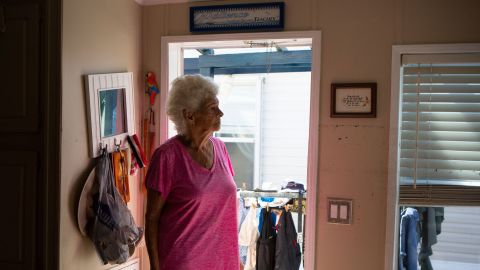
{"type": "Point", "coordinates": [198, 224]}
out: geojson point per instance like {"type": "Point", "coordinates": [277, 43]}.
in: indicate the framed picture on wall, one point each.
{"type": "Point", "coordinates": [353, 100]}
{"type": "Point", "coordinates": [255, 16]}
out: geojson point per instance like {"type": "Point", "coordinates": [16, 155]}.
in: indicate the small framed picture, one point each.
{"type": "Point", "coordinates": [353, 100]}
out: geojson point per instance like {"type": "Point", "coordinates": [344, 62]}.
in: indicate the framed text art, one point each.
{"type": "Point", "coordinates": [353, 100]}
{"type": "Point", "coordinates": [255, 16]}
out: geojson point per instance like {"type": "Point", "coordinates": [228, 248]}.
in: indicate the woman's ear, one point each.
{"type": "Point", "coordinates": [187, 115]}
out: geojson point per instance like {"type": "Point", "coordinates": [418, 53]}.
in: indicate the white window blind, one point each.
{"type": "Point", "coordinates": [440, 129]}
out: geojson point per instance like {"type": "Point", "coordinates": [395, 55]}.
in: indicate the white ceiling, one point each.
{"type": "Point", "coordinates": [161, 2]}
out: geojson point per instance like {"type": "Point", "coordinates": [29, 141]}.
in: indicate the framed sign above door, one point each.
{"type": "Point", "coordinates": [257, 16]}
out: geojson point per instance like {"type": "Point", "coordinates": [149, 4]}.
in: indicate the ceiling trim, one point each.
{"type": "Point", "coordinates": [160, 2]}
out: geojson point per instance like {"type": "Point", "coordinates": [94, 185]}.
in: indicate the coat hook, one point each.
{"type": "Point", "coordinates": [103, 149]}
{"type": "Point", "coordinates": [115, 142]}
{"type": "Point", "coordinates": [117, 146]}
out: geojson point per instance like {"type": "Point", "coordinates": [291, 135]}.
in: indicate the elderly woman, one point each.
{"type": "Point", "coordinates": [191, 219]}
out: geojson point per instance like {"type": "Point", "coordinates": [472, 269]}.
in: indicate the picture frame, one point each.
{"type": "Point", "coordinates": [237, 17]}
{"type": "Point", "coordinates": [353, 100]}
{"type": "Point", "coordinates": [110, 115]}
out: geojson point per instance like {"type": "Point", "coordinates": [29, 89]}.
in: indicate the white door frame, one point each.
{"type": "Point", "coordinates": [391, 241]}
{"type": "Point", "coordinates": [171, 49]}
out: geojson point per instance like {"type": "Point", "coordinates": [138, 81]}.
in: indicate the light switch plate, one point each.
{"type": "Point", "coordinates": [339, 211]}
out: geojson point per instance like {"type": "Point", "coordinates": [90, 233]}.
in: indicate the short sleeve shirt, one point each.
{"type": "Point", "coordinates": [198, 223]}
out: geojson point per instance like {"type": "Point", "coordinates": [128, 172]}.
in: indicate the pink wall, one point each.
{"type": "Point", "coordinates": [356, 47]}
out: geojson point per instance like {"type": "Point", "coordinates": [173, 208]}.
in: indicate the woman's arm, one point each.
{"type": "Point", "coordinates": [154, 208]}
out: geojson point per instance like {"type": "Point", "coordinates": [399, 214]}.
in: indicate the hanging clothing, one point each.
{"type": "Point", "coordinates": [248, 237]}
{"type": "Point", "coordinates": [431, 219]}
{"type": "Point", "coordinates": [293, 186]}
{"type": "Point", "coordinates": [266, 243]}
{"type": "Point", "coordinates": [408, 239]}
{"type": "Point", "coordinates": [242, 214]}
{"type": "Point", "coordinates": [272, 216]}
{"type": "Point", "coordinates": [273, 201]}
{"type": "Point", "coordinates": [287, 249]}
{"type": "Point", "coordinates": [243, 253]}
{"type": "Point", "coordinates": [120, 174]}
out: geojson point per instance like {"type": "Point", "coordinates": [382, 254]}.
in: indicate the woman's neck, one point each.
{"type": "Point", "coordinates": [196, 141]}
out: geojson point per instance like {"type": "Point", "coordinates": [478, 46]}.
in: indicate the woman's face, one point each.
{"type": "Point", "coordinates": [208, 116]}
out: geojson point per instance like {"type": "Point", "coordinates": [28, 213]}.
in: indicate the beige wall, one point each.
{"type": "Point", "coordinates": [99, 36]}
{"type": "Point", "coordinates": [356, 47]}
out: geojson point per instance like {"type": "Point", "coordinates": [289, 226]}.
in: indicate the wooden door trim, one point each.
{"type": "Point", "coordinates": [49, 231]}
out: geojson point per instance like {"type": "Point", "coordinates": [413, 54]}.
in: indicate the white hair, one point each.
{"type": "Point", "coordinates": [188, 92]}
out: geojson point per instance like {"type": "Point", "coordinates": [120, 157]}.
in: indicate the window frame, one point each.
{"type": "Point", "coordinates": [392, 227]}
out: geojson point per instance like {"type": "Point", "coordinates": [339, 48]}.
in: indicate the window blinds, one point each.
{"type": "Point", "coordinates": [440, 129]}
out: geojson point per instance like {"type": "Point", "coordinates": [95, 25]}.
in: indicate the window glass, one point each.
{"type": "Point", "coordinates": [439, 238]}
{"type": "Point", "coordinates": [265, 125]}
{"type": "Point", "coordinates": [239, 103]}
{"type": "Point", "coordinates": [242, 156]}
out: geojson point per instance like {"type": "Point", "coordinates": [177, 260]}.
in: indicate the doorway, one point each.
{"type": "Point", "coordinates": [246, 140]}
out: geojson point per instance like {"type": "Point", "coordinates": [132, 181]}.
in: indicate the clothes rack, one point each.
{"type": "Point", "coordinates": [275, 194]}
{"type": "Point", "coordinates": [279, 194]}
